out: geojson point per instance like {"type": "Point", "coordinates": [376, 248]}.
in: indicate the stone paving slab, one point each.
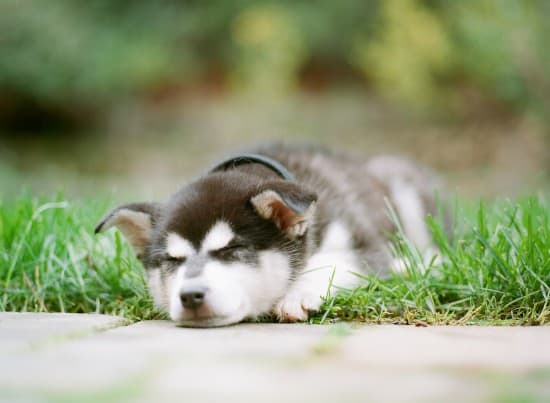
{"type": "Point", "coordinates": [28, 330]}
{"type": "Point", "coordinates": [156, 361]}
{"type": "Point", "coordinates": [508, 348]}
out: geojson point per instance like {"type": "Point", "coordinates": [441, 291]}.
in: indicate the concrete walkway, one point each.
{"type": "Point", "coordinates": [95, 358]}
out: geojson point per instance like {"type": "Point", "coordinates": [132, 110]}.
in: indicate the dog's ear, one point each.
{"type": "Point", "coordinates": [290, 207]}
{"type": "Point", "coordinates": [134, 220]}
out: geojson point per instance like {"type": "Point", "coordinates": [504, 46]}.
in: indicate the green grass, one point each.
{"type": "Point", "coordinates": [50, 261]}
{"type": "Point", "coordinates": [495, 270]}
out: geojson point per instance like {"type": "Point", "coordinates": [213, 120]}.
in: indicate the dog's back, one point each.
{"type": "Point", "coordinates": [358, 192]}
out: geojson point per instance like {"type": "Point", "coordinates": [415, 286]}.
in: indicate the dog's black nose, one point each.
{"type": "Point", "coordinates": [193, 297]}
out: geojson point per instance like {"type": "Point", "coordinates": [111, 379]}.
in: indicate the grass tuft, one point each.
{"type": "Point", "coordinates": [50, 261]}
{"type": "Point", "coordinates": [494, 270]}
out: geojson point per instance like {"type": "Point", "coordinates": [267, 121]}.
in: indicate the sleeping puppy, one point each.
{"type": "Point", "coordinates": [271, 231]}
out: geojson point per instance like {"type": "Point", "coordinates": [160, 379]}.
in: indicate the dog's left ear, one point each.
{"type": "Point", "coordinates": [134, 220]}
{"type": "Point", "coordinates": [287, 205]}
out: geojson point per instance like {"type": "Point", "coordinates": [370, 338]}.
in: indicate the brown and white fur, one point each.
{"type": "Point", "coordinates": [243, 242]}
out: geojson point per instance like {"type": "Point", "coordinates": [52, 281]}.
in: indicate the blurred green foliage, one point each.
{"type": "Point", "coordinates": [411, 51]}
{"type": "Point", "coordinates": [502, 46]}
{"type": "Point", "coordinates": [404, 56]}
{"type": "Point", "coordinates": [270, 49]}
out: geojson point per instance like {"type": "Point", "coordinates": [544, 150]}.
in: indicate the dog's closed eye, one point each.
{"type": "Point", "coordinates": [172, 260]}
{"type": "Point", "coordinates": [228, 252]}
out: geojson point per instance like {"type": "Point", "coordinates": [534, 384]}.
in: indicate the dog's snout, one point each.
{"type": "Point", "coordinates": [192, 298]}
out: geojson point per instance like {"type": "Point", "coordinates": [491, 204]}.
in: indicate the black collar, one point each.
{"type": "Point", "coordinates": [242, 159]}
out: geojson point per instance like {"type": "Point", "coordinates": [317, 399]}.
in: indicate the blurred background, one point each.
{"type": "Point", "coordinates": [136, 97]}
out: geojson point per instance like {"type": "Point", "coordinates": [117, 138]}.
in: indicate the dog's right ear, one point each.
{"type": "Point", "coordinates": [134, 220]}
{"type": "Point", "coordinates": [287, 205]}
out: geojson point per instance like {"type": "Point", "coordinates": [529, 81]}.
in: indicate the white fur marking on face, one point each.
{"type": "Point", "coordinates": [217, 237]}
{"type": "Point", "coordinates": [235, 290]}
{"type": "Point", "coordinates": [176, 246]}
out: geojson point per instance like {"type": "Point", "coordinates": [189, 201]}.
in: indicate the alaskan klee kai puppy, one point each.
{"type": "Point", "coordinates": [268, 232]}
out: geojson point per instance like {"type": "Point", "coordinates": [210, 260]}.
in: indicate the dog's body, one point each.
{"type": "Point", "coordinates": [246, 239]}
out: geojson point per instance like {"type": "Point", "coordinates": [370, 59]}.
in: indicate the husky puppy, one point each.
{"type": "Point", "coordinates": [271, 231]}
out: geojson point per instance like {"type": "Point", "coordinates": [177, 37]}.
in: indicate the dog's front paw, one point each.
{"type": "Point", "coordinates": [296, 306]}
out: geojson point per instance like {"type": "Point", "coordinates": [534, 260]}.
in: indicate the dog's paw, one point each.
{"type": "Point", "coordinates": [296, 306]}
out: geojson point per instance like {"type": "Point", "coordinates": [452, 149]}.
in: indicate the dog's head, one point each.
{"type": "Point", "coordinates": [222, 249]}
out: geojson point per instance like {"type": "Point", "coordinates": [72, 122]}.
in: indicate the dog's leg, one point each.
{"type": "Point", "coordinates": [412, 214]}
{"type": "Point", "coordinates": [304, 296]}
{"type": "Point", "coordinates": [330, 268]}
{"type": "Point", "coordinates": [411, 191]}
